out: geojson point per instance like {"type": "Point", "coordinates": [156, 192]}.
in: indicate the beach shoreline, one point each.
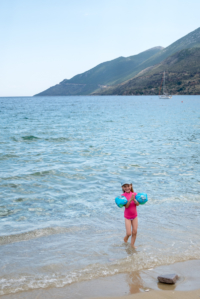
{"type": "Point", "coordinates": [160, 295]}
{"type": "Point", "coordinates": [137, 284]}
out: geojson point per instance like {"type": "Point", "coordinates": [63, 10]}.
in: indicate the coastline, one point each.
{"type": "Point", "coordinates": [160, 295]}
{"type": "Point", "coordinates": [138, 284]}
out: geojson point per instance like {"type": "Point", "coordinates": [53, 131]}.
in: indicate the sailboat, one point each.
{"type": "Point", "coordinates": [165, 95]}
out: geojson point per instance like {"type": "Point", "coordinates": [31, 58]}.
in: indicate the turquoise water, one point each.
{"type": "Point", "coordinates": [62, 160]}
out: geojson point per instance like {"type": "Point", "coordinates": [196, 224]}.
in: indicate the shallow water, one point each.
{"type": "Point", "coordinates": [62, 160]}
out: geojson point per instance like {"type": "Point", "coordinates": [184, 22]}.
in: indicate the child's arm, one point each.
{"type": "Point", "coordinates": [128, 203]}
{"type": "Point", "coordinates": [135, 201]}
{"type": "Point", "coordinates": [132, 199]}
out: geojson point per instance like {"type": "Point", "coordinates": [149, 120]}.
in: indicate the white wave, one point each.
{"type": "Point", "coordinates": [39, 233]}
{"type": "Point", "coordinates": [140, 261]}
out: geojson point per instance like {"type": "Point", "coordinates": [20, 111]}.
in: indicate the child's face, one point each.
{"type": "Point", "coordinates": [127, 188]}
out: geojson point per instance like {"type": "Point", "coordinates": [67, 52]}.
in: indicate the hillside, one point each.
{"type": "Point", "coordinates": [106, 73]}
{"type": "Point", "coordinates": [105, 77]}
{"type": "Point", "coordinates": [183, 76]}
{"type": "Point", "coordinates": [190, 40]}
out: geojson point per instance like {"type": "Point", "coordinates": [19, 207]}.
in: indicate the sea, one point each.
{"type": "Point", "coordinates": [62, 160]}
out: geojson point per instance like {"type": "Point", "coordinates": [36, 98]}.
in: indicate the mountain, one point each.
{"type": "Point", "coordinates": [105, 77]}
{"type": "Point", "coordinates": [182, 76]}
{"type": "Point", "coordinates": [188, 41]}
{"type": "Point", "coordinates": [106, 73]}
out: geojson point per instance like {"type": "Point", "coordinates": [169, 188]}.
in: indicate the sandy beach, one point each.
{"type": "Point", "coordinates": [162, 295]}
{"type": "Point", "coordinates": [138, 284]}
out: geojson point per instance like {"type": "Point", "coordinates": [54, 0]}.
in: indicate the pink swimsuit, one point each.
{"type": "Point", "coordinates": [131, 211]}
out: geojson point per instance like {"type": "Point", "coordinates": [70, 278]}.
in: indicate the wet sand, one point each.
{"type": "Point", "coordinates": [139, 284]}
{"type": "Point", "coordinates": [161, 295]}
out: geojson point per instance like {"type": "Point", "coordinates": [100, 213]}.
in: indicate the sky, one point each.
{"type": "Point", "coordinates": [46, 41]}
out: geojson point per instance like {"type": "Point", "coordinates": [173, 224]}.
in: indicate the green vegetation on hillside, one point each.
{"type": "Point", "coordinates": [69, 89]}
{"type": "Point", "coordinates": [114, 71]}
{"type": "Point", "coordinates": [188, 41]}
{"type": "Point", "coordinates": [139, 74]}
{"type": "Point", "coordinates": [182, 77]}
{"type": "Point", "coordinates": [104, 74]}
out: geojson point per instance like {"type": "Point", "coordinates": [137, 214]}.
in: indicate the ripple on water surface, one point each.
{"type": "Point", "coordinates": [62, 163]}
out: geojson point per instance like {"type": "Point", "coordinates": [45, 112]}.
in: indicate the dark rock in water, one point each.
{"type": "Point", "coordinates": [168, 278]}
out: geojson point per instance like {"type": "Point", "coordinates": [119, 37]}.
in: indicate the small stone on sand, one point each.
{"type": "Point", "coordinates": [168, 278]}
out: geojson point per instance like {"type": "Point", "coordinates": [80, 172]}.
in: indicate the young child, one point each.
{"type": "Point", "coordinates": [130, 212]}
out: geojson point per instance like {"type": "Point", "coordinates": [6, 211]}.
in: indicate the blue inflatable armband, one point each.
{"type": "Point", "coordinates": [121, 201]}
{"type": "Point", "coordinates": [141, 198]}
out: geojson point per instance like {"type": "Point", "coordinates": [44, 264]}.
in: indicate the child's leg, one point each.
{"type": "Point", "coordinates": [134, 223]}
{"type": "Point", "coordinates": [128, 229]}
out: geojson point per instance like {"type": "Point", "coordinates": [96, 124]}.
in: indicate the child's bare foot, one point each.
{"type": "Point", "coordinates": [126, 239]}
{"type": "Point", "coordinates": [133, 246]}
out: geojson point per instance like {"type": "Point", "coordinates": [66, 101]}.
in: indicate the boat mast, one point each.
{"type": "Point", "coordinates": [164, 83]}
{"type": "Point", "coordinates": [165, 95]}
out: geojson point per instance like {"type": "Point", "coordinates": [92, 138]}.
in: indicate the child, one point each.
{"type": "Point", "coordinates": [130, 212]}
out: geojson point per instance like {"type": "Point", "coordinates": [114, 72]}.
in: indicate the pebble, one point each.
{"type": "Point", "coordinates": [168, 278]}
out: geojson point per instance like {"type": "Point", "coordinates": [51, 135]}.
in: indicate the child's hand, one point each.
{"type": "Point", "coordinates": [133, 197]}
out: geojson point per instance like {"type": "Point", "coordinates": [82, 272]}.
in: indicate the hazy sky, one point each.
{"type": "Point", "coordinates": [46, 41]}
